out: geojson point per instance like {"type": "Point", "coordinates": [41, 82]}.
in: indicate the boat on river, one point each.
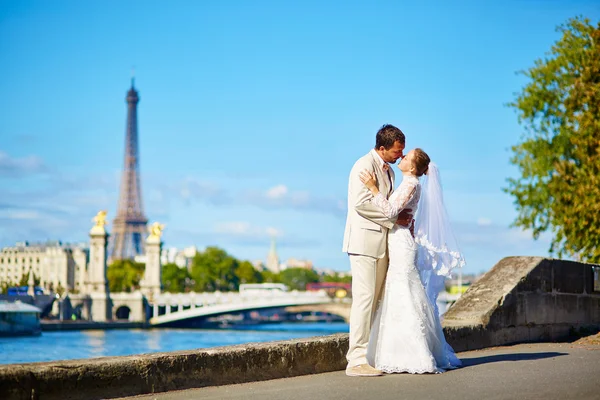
{"type": "Point", "coordinates": [19, 319]}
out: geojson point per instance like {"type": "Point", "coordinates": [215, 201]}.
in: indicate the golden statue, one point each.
{"type": "Point", "coordinates": [100, 218]}
{"type": "Point", "coordinates": [156, 230]}
{"type": "Point", "coordinates": [100, 222]}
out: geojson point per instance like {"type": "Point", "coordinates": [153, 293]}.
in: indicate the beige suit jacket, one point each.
{"type": "Point", "coordinates": [366, 226]}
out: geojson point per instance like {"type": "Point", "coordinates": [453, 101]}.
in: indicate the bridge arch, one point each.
{"type": "Point", "coordinates": [339, 309]}
{"type": "Point", "coordinates": [123, 313]}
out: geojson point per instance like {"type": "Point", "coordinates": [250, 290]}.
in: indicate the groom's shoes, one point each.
{"type": "Point", "coordinates": [363, 370]}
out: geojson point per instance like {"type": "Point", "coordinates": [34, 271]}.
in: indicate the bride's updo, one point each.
{"type": "Point", "coordinates": [421, 161]}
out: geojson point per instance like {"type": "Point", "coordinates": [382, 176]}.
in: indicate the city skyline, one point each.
{"type": "Point", "coordinates": [251, 115]}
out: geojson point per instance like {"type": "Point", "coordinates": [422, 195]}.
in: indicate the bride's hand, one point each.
{"type": "Point", "coordinates": [369, 179]}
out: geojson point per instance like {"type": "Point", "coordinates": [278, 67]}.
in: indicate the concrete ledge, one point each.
{"type": "Point", "coordinates": [467, 338]}
{"type": "Point", "coordinates": [525, 299]}
{"type": "Point", "coordinates": [111, 377]}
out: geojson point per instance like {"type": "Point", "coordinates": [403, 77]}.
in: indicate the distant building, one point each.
{"type": "Point", "coordinates": [181, 258]}
{"type": "Point", "coordinates": [295, 263]}
{"type": "Point", "coordinates": [258, 265]}
{"type": "Point", "coordinates": [273, 259]}
{"type": "Point", "coordinates": [173, 255]}
{"type": "Point", "coordinates": [53, 263]}
{"type": "Point", "coordinates": [329, 271]}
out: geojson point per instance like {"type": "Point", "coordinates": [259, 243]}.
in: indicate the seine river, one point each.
{"type": "Point", "coordinates": [50, 346]}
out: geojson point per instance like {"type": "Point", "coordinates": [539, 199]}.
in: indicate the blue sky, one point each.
{"type": "Point", "coordinates": [253, 112]}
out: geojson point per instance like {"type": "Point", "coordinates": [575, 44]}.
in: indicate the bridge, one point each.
{"type": "Point", "coordinates": [170, 308]}
{"type": "Point", "coordinates": [339, 308]}
{"type": "Point", "coordinates": [342, 307]}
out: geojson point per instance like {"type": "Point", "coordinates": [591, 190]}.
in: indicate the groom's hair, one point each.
{"type": "Point", "coordinates": [387, 136]}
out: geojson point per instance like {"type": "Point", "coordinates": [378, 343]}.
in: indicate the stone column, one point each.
{"type": "Point", "coordinates": [97, 284]}
{"type": "Point", "coordinates": [31, 283]}
{"type": "Point", "coordinates": [150, 285]}
{"type": "Point", "coordinates": [81, 266]}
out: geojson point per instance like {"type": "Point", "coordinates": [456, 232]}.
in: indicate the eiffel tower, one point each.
{"type": "Point", "coordinates": [129, 226]}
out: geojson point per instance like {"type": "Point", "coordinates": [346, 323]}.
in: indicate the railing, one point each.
{"type": "Point", "coordinates": [187, 305]}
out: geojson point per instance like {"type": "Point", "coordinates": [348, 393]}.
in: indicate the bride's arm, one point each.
{"type": "Point", "coordinates": [361, 199]}
{"type": "Point", "coordinates": [390, 209]}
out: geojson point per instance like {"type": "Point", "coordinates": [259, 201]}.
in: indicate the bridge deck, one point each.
{"type": "Point", "coordinates": [231, 303]}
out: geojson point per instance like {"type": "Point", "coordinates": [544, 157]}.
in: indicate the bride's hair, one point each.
{"type": "Point", "coordinates": [421, 161]}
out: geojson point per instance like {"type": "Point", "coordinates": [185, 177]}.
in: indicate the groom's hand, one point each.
{"type": "Point", "coordinates": [405, 217]}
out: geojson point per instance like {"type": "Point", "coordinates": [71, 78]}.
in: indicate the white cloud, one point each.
{"type": "Point", "coordinates": [300, 198]}
{"type": "Point", "coordinates": [242, 228]}
{"type": "Point", "coordinates": [194, 189]}
{"type": "Point", "coordinates": [234, 228]}
{"type": "Point", "coordinates": [273, 231]}
{"type": "Point", "coordinates": [277, 192]}
{"type": "Point", "coordinates": [59, 206]}
{"type": "Point", "coordinates": [481, 221]}
{"type": "Point", "coordinates": [497, 237]}
{"type": "Point", "coordinates": [20, 214]}
{"type": "Point", "coordinates": [276, 197]}
{"type": "Point", "coordinates": [16, 167]}
{"type": "Point", "coordinates": [239, 234]}
{"type": "Point", "coordinates": [281, 197]}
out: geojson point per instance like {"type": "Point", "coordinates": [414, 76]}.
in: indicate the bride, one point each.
{"type": "Point", "coordinates": [407, 335]}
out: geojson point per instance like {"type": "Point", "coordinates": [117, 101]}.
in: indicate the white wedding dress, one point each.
{"type": "Point", "coordinates": [406, 335]}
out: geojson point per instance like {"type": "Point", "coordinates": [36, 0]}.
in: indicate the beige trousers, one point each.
{"type": "Point", "coordinates": [368, 275]}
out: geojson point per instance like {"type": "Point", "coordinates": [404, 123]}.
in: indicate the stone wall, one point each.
{"type": "Point", "coordinates": [111, 377]}
{"type": "Point", "coordinates": [525, 299]}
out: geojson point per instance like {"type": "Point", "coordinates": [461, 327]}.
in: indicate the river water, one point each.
{"type": "Point", "coordinates": [66, 345]}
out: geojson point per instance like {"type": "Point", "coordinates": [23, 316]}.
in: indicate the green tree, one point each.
{"type": "Point", "coordinates": [297, 278]}
{"type": "Point", "coordinates": [60, 290]}
{"type": "Point", "coordinates": [174, 278]}
{"type": "Point", "coordinates": [214, 269]}
{"type": "Point", "coordinates": [124, 275]}
{"type": "Point", "coordinates": [246, 273]}
{"type": "Point", "coordinates": [558, 158]}
{"type": "Point", "coordinates": [24, 280]}
{"type": "Point", "coordinates": [4, 285]}
{"type": "Point", "coordinates": [270, 276]}
{"type": "Point", "coordinates": [336, 277]}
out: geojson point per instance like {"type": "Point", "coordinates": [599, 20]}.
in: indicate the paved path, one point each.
{"type": "Point", "coordinates": [527, 371]}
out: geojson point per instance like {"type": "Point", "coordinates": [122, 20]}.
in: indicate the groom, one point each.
{"type": "Point", "coordinates": [365, 241]}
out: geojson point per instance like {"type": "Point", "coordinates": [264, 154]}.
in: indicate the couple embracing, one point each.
{"type": "Point", "coordinates": [398, 263]}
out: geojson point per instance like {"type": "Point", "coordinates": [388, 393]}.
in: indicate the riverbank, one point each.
{"type": "Point", "coordinates": [109, 377]}
{"type": "Point", "coordinates": [91, 343]}
{"type": "Point", "coordinates": [183, 374]}
{"type": "Point", "coordinates": [53, 326]}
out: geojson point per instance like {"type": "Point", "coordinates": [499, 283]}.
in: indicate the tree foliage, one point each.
{"type": "Point", "coordinates": [124, 275]}
{"type": "Point", "coordinates": [337, 277]}
{"type": "Point", "coordinates": [4, 285]}
{"type": "Point", "coordinates": [214, 269]}
{"type": "Point", "coordinates": [297, 278]}
{"type": "Point", "coordinates": [246, 273]}
{"type": "Point", "coordinates": [270, 276]}
{"type": "Point", "coordinates": [559, 155]}
{"type": "Point", "coordinates": [175, 279]}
